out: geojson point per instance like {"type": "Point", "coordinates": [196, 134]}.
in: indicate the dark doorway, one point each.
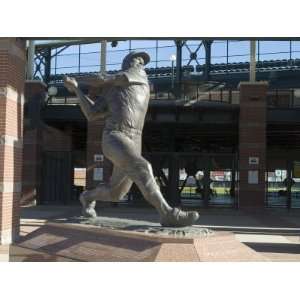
{"type": "Point", "coordinates": [57, 178]}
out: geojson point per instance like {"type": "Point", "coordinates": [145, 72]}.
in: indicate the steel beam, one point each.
{"type": "Point", "coordinates": [179, 45]}
{"type": "Point", "coordinates": [207, 46]}
{"type": "Point", "coordinates": [30, 60]}
{"type": "Point", "coordinates": [252, 61]}
{"type": "Point", "coordinates": [47, 65]}
{"type": "Point", "coordinates": [103, 57]}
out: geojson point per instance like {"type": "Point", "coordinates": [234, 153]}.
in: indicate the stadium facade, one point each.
{"type": "Point", "coordinates": [222, 128]}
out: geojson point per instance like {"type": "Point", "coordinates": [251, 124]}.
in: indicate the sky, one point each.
{"type": "Point", "coordinates": [69, 61]}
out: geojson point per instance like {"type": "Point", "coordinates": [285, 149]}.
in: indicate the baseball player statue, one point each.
{"type": "Point", "coordinates": [123, 104]}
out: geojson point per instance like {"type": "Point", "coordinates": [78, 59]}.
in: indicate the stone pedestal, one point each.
{"type": "Point", "coordinates": [252, 144]}
{"type": "Point", "coordinates": [79, 242]}
{"type": "Point", "coordinates": [12, 71]}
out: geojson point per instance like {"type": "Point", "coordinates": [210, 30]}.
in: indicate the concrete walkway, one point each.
{"type": "Point", "coordinates": [274, 234]}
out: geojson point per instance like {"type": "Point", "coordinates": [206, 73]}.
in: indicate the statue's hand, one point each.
{"type": "Point", "coordinates": [70, 83]}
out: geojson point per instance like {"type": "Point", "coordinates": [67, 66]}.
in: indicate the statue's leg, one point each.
{"type": "Point", "coordinates": [115, 190]}
{"type": "Point", "coordinates": [120, 185]}
{"type": "Point", "coordinates": [124, 152]}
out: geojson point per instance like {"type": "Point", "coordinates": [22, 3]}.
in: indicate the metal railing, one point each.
{"type": "Point", "coordinates": [276, 98]}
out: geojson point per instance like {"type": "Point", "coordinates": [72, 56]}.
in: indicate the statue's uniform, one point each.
{"type": "Point", "coordinates": [125, 104]}
{"type": "Point", "coordinates": [122, 139]}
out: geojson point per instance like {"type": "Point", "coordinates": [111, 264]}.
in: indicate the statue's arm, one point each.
{"type": "Point", "coordinates": [119, 79]}
{"type": "Point", "coordinates": [90, 109]}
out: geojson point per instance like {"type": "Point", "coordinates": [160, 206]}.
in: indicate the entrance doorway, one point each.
{"type": "Point", "coordinates": [283, 182]}
{"type": "Point", "coordinates": [196, 179]}
{"type": "Point", "coordinates": [57, 178]}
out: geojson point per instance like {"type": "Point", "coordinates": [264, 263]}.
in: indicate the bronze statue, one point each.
{"type": "Point", "coordinates": [124, 104]}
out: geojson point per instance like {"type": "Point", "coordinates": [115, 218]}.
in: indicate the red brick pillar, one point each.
{"type": "Point", "coordinates": [12, 71]}
{"type": "Point", "coordinates": [35, 94]}
{"type": "Point", "coordinates": [252, 144]}
{"type": "Point", "coordinates": [96, 163]}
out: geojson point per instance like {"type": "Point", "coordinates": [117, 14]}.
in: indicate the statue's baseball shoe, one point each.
{"type": "Point", "coordinates": [179, 218]}
{"type": "Point", "coordinates": [88, 207]}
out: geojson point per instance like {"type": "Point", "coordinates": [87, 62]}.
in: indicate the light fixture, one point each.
{"type": "Point", "coordinates": [114, 44]}
{"type": "Point", "coordinates": [52, 91]}
{"type": "Point", "coordinates": [173, 57]}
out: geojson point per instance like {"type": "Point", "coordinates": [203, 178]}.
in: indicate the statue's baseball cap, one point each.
{"type": "Point", "coordinates": [145, 56]}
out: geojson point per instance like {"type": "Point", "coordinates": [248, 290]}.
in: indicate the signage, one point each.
{"type": "Point", "coordinates": [253, 160]}
{"type": "Point", "coordinates": [296, 169]}
{"type": "Point", "coordinates": [253, 177]}
{"type": "Point", "coordinates": [98, 158]}
{"type": "Point", "coordinates": [98, 174]}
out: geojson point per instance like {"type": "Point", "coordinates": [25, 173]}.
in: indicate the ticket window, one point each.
{"type": "Point", "coordinates": [295, 185]}
{"type": "Point", "coordinates": [277, 192]}
{"type": "Point", "coordinates": [222, 187]}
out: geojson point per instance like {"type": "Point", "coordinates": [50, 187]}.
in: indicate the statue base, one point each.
{"type": "Point", "coordinates": [104, 239]}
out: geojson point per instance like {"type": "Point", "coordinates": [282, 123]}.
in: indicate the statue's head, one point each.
{"type": "Point", "coordinates": [135, 59]}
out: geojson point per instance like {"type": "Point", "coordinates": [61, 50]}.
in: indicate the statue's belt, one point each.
{"type": "Point", "coordinates": [123, 129]}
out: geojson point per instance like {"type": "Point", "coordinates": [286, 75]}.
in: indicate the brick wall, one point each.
{"type": "Point", "coordinates": [252, 143]}
{"type": "Point", "coordinates": [12, 73]}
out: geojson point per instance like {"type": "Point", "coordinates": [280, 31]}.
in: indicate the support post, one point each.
{"type": "Point", "coordinates": [179, 67]}
{"type": "Point", "coordinates": [252, 144]}
{"type": "Point", "coordinates": [47, 65]}
{"type": "Point", "coordinates": [206, 182]}
{"type": "Point", "coordinates": [173, 188]}
{"type": "Point", "coordinates": [103, 56]}
{"type": "Point", "coordinates": [30, 60]}
{"type": "Point", "coordinates": [207, 46]}
{"type": "Point", "coordinates": [252, 61]}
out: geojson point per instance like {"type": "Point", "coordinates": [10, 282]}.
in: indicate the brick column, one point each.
{"type": "Point", "coordinates": [252, 144]}
{"type": "Point", "coordinates": [35, 93]}
{"type": "Point", "coordinates": [12, 71]}
{"type": "Point", "coordinates": [94, 142]}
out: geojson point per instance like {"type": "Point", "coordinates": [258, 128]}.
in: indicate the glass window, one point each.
{"type": "Point", "coordinates": [269, 50]}
{"type": "Point", "coordinates": [113, 67]}
{"type": "Point", "coordinates": [67, 60]}
{"type": "Point", "coordinates": [70, 50]}
{"type": "Point", "coordinates": [295, 45]}
{"type": "Point", "coordinates": [274, 56]}
{"type": "Point", "coordinates": [86, 48]}
{"type": "Point", "coordinates": [151, 64]}
{"type": "Point", "coordinates": [274, 46]}
{"type": "Point", "coordinates": [95, 68]}
{"type": "Point", "coordinates": [64, 70]}
{"type": "Point", "coordinates": [238, 51]}
{"type": "Point", "coordinates": [166, 43]}
{"type": "Point", "coordinates": [238, 48]}
{"type": "Point", "coordinates": [164, 54]}
{"type": "Point", "coordinates": [295, 49]}
{"type": "Point", "coordinates": [89, 59]}
{"type": "Point", "coordinates": [218, 52]}
{"type": "Point", "coordinates": [115, 57]}
{"type": "Point", "coordinates": [142, 44]}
